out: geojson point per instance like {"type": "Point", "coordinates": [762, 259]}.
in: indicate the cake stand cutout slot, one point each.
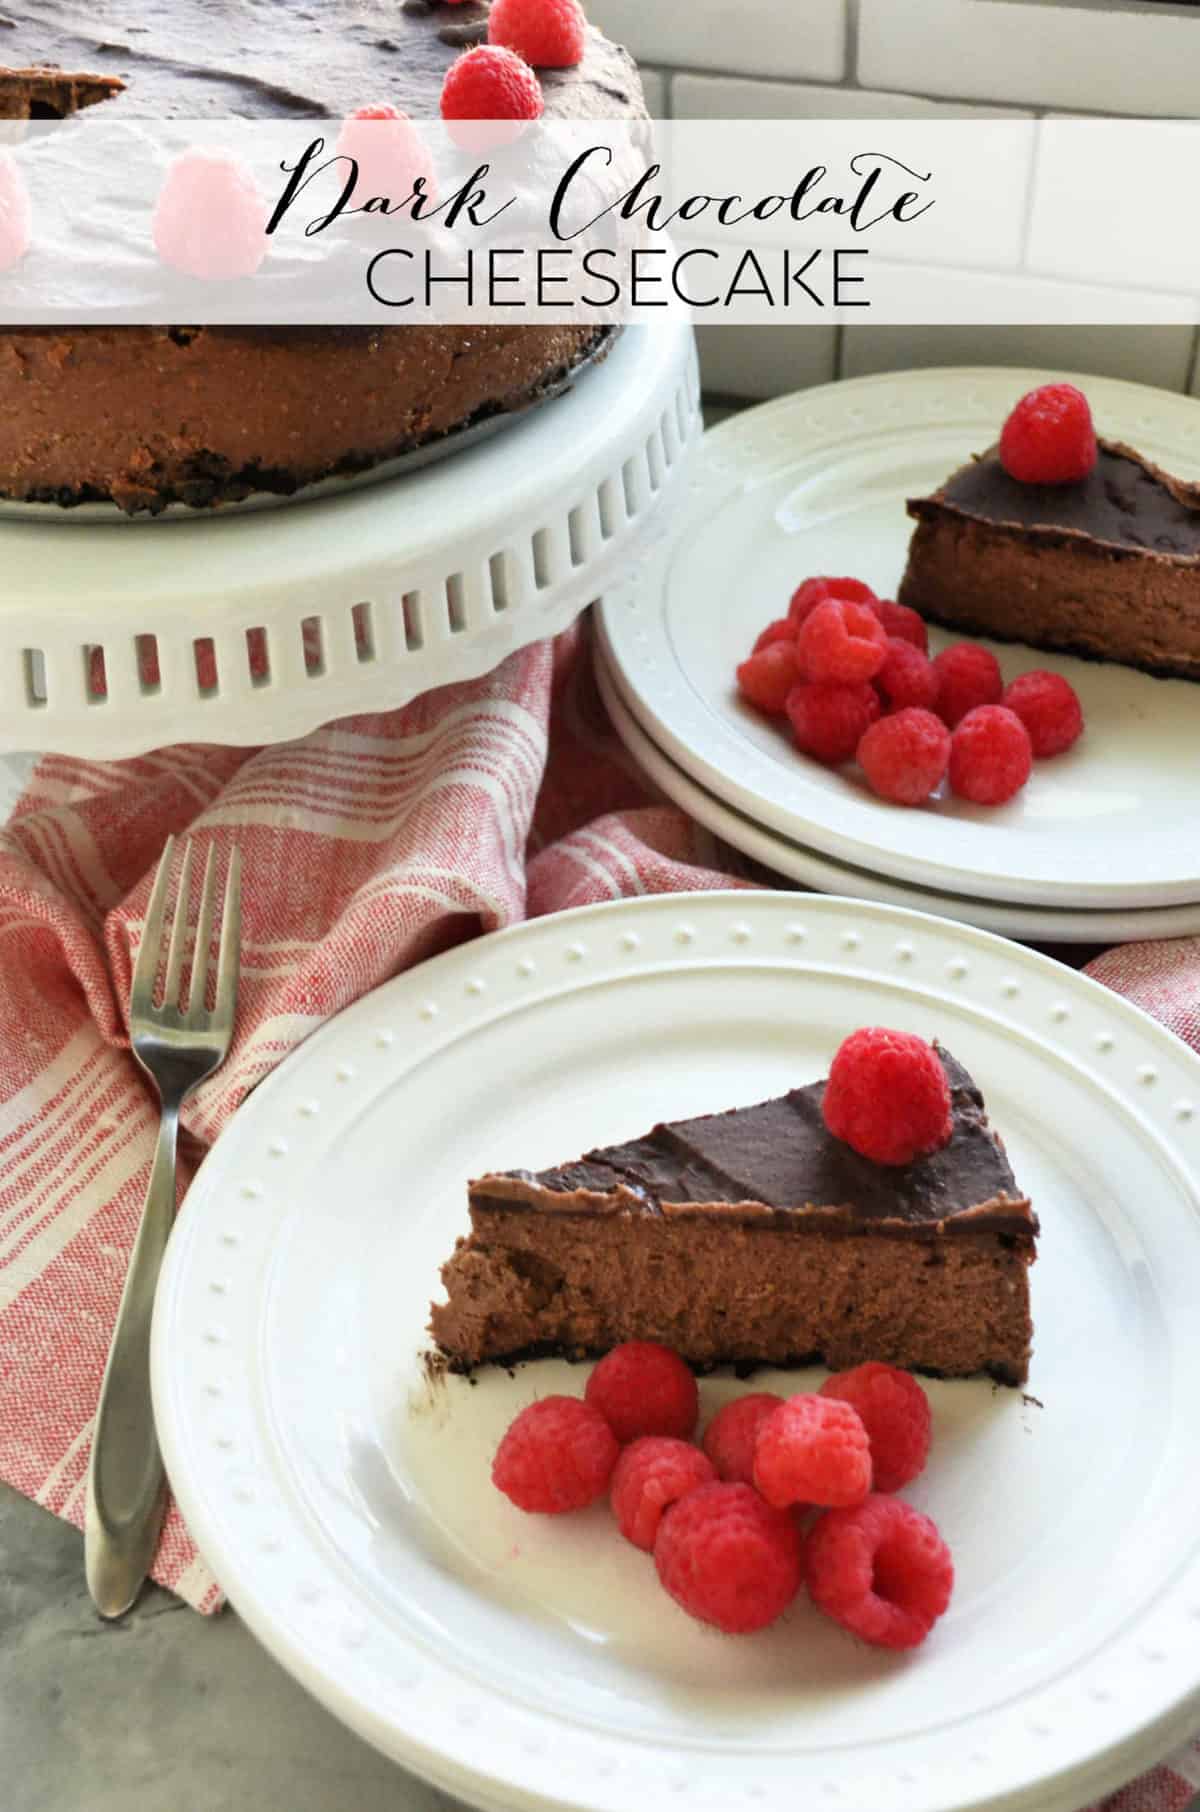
{"type": "Point", "coordinates": [204, 654]}
{"type": "Point", "coordinates": [312, 641]}
{"type": "Point", "coordinates": [414, 625]}
{"type": "Point", "coordinates": [498, 580]}
{"type": "Point", "coordinates": [149, 669]}
{"type": "Point", "coordinates": [363, 622]}
{"type": "Point", "coordinates": [95, 676]}
{"type": "Point", "coordinates": [456, 603]}
{"type": "Point", "coordinates": [610, 510]}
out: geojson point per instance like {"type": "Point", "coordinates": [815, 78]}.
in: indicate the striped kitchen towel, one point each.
{"type": "Point", "coordinates": [367, 847]}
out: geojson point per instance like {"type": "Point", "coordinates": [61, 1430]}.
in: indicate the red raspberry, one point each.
{"type": "Point", "coordinates": [841, 642]}
{"type": "Point", "coordinates": [903, 623]}
{"type": "Point", "coordinates": [881, 1570]}
{"type": "Point", "coordinates": [829, 722]}
{"type": "Point", "coordinates": [812, 1450]}
{"type": "Point", "coordinates": [549, 34]}
{"type": "Point", "coordinates": [990, 756]}
{"type": "Point", "coordinates": [904, 756]}
{"type": "Point", "coordinates": [887, 1096]}
{"type": "Point", "coordinates": [557, 1455]}
{"type": "Point", "coordinates": [895, 1413]}
{"type": "Point", "coordinates": [781, 630]}
{"type": "Point", "coordinates": [968, 675]}
{"type": "Point", "coordinates": [1049, 707]}
{"type": "Point", "coordinates": [812, 592]}
{"type": "Point", "coordinates": [1049, 437]}
{"type": "Point", "coordinates": [728, 1558]}
{"type": "Point", "coordinates": [652, 1474]}
{"type": "Point", "coordinates": [730, 1436]}
{"type": "Point", "coordinates": [641, 1388]}
{"type": "Point", "coordinates": [491, 83]}
{"type": "Point", "coordinates": [766, 677]}
{"type": "Point", "coordinates": [907, 677]}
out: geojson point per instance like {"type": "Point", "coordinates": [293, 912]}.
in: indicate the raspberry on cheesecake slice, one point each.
{"type": "Point", "coordinates": [755, 1237]}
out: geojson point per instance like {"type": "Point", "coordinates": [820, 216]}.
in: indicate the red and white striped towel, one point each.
{"type": "Point", "coordinates": [367, 846]}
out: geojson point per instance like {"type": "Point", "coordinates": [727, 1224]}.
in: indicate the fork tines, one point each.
{"type": "Point", "coordinates": [192, 1010]}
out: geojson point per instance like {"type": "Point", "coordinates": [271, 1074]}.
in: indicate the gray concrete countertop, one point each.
{"type": "Point", "coordinates": [164, 1711]}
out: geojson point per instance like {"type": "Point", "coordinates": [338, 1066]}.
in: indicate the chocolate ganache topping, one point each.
{"type": "Point", "coordinates": [1123, 500]}
{"type": "Point", "coordinates": [778, 1161]}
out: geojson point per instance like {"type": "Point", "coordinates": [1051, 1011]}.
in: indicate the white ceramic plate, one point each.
{"type": "Point", "coordinates": [817, 483]}
{"type": "Point", "coordinates": [534, 1663]}
{"type": "Point", "coordinates": [1042, 924]}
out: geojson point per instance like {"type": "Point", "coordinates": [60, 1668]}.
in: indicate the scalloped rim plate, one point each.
{"type": "Point", "coordinates": [342, 1497]}
{"type": "Point", "coordinates": [817, 482]}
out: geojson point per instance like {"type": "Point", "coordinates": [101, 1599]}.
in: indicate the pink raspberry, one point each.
{"type": "Point", "coordinates": [549, 34]}
{"type": "Point", "coordinates": [881, 1570]}
{"type": "Point", "coordinates": [816, 591]}
{"type": "Point", "coordinates": [887, 1096]}
{"type": "Point", "coordinates": [641, 1388]}
{"type": "Point", "coordinates": [728, 1558]}
{"type": "Point", "coordinates": [1049, 437]}
{"type": "Point", "coordinates": [389, 152]}
{"type": "Point", "coordinates": [841, 643]}
{"type": "Point", "coordinates": [1049, 707]}
{"type": "Point", "coordinates": [895, 1413]}
{"type": "Point", "coordinates": [766, 677]}
{"type": "Point", "coordinates": [829, 722]}
{"type": "Point", "coordinates": [730, 1437]}
{"type": "Point", "coordinates": [210, 220]}
{"type": "Point", "coordinates": [968, 675]}
{"type": "Point", "coordinates": [904, 756]}
{"type": "Point", "coordinates": [903, 623]}
{"type": "Point", "coordinates": [557, 1455]}
{"type": "Point", "coordinates": [991, 756]}
{"type": "Point", "coordinates": [907, 677]}
{"type": "Point", "coordinates": [653, 1473]}
{"type": "Point", "coordinates": [812, 1450]}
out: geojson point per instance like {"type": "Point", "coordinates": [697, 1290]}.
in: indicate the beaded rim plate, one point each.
{"type": "Point", "coordinates": [817, 482]}
{"type": "Point", "coordinates": [342, 1496]}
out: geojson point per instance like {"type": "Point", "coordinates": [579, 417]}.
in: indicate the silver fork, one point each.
{"type": "Point", "coordinates": [178, 1044]}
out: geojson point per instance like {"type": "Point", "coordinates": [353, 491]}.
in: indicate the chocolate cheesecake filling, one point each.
{"type": "Point", "coordinates": [1123, 501]}
{"type": "Point", "coordinates": [751, 1238]}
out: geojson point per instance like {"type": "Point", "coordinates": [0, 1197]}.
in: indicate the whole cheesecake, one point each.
{"type": "Point", "coordinates": [751, 1238]}
{"type": "Point", "coordinates": [149, 416]}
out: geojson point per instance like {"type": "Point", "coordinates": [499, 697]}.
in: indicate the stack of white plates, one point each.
{"type": "Point", "coordinates": [1104, 842]}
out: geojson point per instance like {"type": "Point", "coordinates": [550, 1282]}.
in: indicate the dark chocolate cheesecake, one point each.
{"type": "Point", "coordinates": [1107, 566]}
{"type": "Point", "coordinates": [754, 1237]}
{"type": "Point", "coordinates": [148, 416]}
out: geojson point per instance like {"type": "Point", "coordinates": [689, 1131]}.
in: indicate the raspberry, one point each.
{"type": "Point", "coordinates": [16, 212]}
{"type": "Point", "coordinates": [904, 756]}
{"type": "Point", "coordinates": [903, 623]}
{"type": "Point", "coordinates": [557, 1455]}
{"type": "Point", "coordinates": [990, 756]}
{"type": "Point", "coordinates": [781, 630]}
{"type": "Point", "coordinates": [881, 1570]}
{"type": "Point", "coordinates": [1049, 707]}
{"type": "Point", "coordinates": [895, 1413]}
{"type": "Point", "coordinates": [728, 1558]}
{"type": "Point", "coordinates": [907, 677]}
{"type": "Point", "coordinates": [210, 220]}
{"type": "Point", "coordinates": [388, 150]}
{"type": "Point", "coordinates": [812, 1450]}
{"type": "Point", "coordinates": [644, 1389]}
{"type": "Point", "coordinates": [730, 1436]}
{"type": "Point", "coordinates": [841, 642]}
{"type": "Point", "coordinates": [887, 1096]}
{"type": "Point", "coordinates": [652, 1474]}
{"type": "Point", "coordinates": [829, 722]}
{"type": "Point", "coordinates": [968, 675]}
{"type": "Point", "coordinates": [1049, 438]}
{"type": "Point", "coordinates": [812, 592]}
{"type": "Point", "coordinates": [491, 83]}
{"type": "Point", "coordinates": [549, 34]}
{"type": "Point", "coordinates": [766, 677]}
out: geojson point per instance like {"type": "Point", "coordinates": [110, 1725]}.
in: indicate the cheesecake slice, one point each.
{"type": "Point", "coordinates": [750, 1238]}
{"type": "Point", "coordinates": [1107, 567]}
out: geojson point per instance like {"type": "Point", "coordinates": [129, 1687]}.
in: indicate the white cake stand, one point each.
{"type": "Point", "coordinates": [117, 636]}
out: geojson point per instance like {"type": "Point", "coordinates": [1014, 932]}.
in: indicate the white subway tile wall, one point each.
{"type": "Point", "coordinates": [895, 59]}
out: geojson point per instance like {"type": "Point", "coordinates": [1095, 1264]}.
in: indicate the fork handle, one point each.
{"type": "Point", "coordinates": [126, 1482]}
